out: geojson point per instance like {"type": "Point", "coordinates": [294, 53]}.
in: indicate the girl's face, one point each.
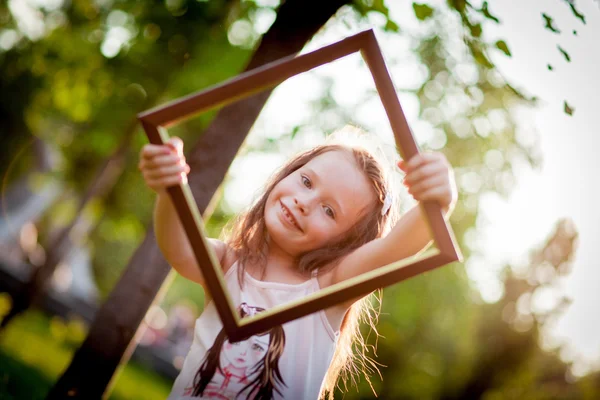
{"type": "Point", "coordinates": [317, 203]}
{"type": "Point", "coordinates": [246, 353]}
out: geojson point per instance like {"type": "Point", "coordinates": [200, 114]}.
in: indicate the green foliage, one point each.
{"type": "Point", "coordinates": [80, 95]}
{"type": "Point", "coordinates": [564, 53]}
{"type": "Point", "coordinates": [475, 30]}
{"type": "Point", "coordinates": [485, 11]}
{"type": "Point", "coordinates": [568, 109]}
{"type": "Point", "coordinates": [422, 11]}
{"type": "Point", "coordinates": [471, 18]}
{"type": "Point", "coordinates": [575, 11]}
{"type": "Point", "coordinates": [184, 290]}
{"type": "Point", "coordinates": [363, 7]}
{"type": "Point", "coordinates": [550, 23]}
{"type": "Point", "coordinates": [84, 102]}
{"type": "Point", "coordinates": [28, 372]}
{"type": "Point", "coordinates": [501, 44]}
{"type": "Point", "coordinates": [20, 381]}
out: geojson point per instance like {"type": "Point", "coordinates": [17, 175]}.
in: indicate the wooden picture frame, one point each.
{"type": "Point", "coordinates": [155, 122]}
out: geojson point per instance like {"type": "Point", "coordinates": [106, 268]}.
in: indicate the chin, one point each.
{"type": "Point", "coordinates": [274, 228]}
{"type": "Point", "coordinates": [276, 232]}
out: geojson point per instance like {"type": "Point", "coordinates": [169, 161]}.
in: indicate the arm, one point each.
{"type": "Point", "coordinates": [173, 242]}
{"type": "Point", "coordinates": [164, 166]}
{"type": "Point", "coordinates": [429, 178]}
{"type": "Point", "coordinates": [410, 236]}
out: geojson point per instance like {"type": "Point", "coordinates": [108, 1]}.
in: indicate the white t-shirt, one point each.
{"type": "Point", "coordinates": [287, 362]}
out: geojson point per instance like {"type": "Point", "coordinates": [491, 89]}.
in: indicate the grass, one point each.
{"type": "Point", "coordinates": [20, 381]}
{"type": "Point", "coordinates": [35, 349]}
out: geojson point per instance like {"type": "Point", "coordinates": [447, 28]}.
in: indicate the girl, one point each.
{"type": "Point", "coordinates": [325, 217]}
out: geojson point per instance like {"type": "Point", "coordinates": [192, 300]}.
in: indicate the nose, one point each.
{"type": "Point", "coordinates": [301, 204]}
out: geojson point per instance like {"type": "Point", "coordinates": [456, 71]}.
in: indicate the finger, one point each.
{"type": "Point", "coordinates": [436, 194]}
{"type": "Point", "coordinates": [163, 183]}
{"type": "Point", "coordinates": [149, 151]}
{"type": "Point", "coordinates": [163, 160]}
{"type": "Point", "coordinates": [424, 172]}
{"type": "Point", "coordinates": [166, 160]}
{"type": "Point", "coordinates": [415, 161]}
{"type": "Point", "coordinates": [429, 183]}
{"type": "Point", "coordinates": [176, 144]}
{"type": "Point", "coordinates": [402, 165]}
{"type": "Point", "coordinates": [164, 171]}
{"type": "Point", "coordinates": [422, 158]}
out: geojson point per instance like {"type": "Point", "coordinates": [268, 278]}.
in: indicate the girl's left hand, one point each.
{"type": "Point", "coordinates": [429, 177]}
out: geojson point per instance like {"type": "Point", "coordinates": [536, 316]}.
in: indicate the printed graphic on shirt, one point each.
{"type": "Point", "coordinates": [248, 369]}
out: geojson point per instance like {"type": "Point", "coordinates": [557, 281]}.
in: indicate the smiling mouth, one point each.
{"type": "Point", "coordinates": [288, 215]}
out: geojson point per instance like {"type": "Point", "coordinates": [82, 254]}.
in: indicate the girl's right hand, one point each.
{"type": "Point", "coordinates": [163, 165]}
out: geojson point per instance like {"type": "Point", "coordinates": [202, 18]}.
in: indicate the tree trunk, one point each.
{"type": "Point", "coordinates": [61, 244]}
{"type": "Point", "coordinates": [109, 341]}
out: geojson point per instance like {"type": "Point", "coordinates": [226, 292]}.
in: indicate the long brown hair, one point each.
{"type": "Point", "coordinates": [249, 239]}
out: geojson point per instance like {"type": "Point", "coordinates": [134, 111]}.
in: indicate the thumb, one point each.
{"type": "Point", "coordinates": [402, 165]}
{"type": "Point", "coordinates": [176, 144]}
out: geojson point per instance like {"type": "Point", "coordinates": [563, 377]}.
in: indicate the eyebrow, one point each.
{"type": "Point", "coordinates": [265, 343]}
{"type": "Point", "coordinates": [336, 204]}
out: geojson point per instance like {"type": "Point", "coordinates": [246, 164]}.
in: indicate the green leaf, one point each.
{"type": "Point", "coordinates": [575, 12]}
{"type": "Point", "coordinates": [501, 44]}
{"type": "Point", "coordinates": [379, 5]}
{"type": "Point", "coordinates": [550, 68]}
{"type": "Point", "coordinates": [422, 11]}
{"type": "Point", "coordinates": [564, 53]}
{"type": "Point", "coordinates": [459, 5]}
{"type": "Point", "coordinates": [391, 26]}
{"type": "Point", "coordinates": [475, 30]}
{"type": "Point", "coordinates": [568, 109]}
{"type": "Point", "coordinates": [550, 23]}
{"type": "Point", "coordinates": [486, 12]}
{"type": "Point", "coordinates": [481, 58]}
{"type": "Point", "coordinates": [295, 131]}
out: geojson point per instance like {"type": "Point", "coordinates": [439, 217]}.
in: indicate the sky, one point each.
{"type": "Point", "coordinates": [564, 186]}
{"type": "Point", "coordinates": [567, 184]}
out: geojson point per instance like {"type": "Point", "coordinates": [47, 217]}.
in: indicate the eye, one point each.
{"type": "Point", "coordinates": [257, 347]}
{"type": "Point", "coordinates": [306, 181]}
{"type": "Point", "coordinates": [329, 212]}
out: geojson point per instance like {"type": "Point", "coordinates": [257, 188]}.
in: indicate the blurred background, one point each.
{"type": "Point", "coordinates": [506, 91]}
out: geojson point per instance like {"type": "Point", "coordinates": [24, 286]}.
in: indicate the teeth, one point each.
{"type": "Point", "coordinates": [289, 217]}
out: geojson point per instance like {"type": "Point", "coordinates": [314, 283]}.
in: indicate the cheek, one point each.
{"type": "Point", "coordinates": [258, 353]}
{"type": "Point", "coordinates": [270, 200]}
{"type": "Point", "coordinates": [280, 188]}
{"type": "Point", "coordinates": [322, 230]}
